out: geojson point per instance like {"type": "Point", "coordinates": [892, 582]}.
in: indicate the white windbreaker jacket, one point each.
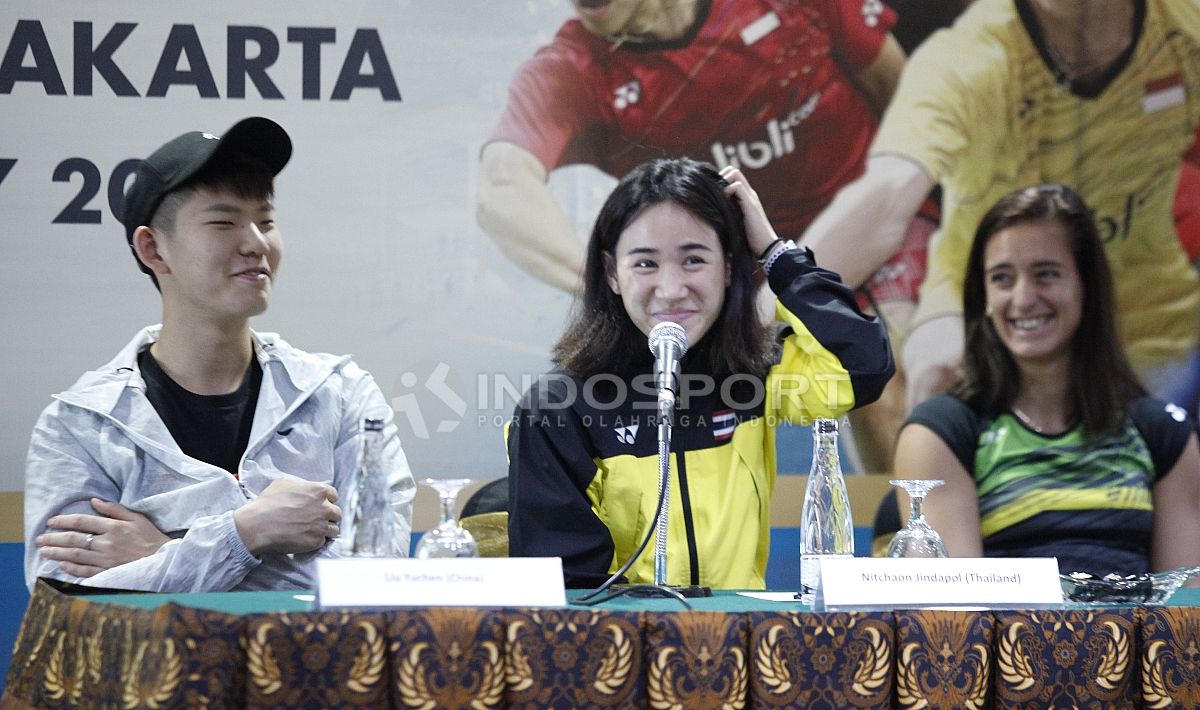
{"type": "Point", "coordinates": [102, 438]}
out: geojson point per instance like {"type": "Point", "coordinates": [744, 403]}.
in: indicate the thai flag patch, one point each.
{"type": "Point", "coordinates": [723, 422]}
{"type": "Point", "coordinates": [1164, 93]}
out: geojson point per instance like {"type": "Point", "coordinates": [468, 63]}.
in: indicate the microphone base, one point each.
{"type": "Point", "coordinates": [650, 590]}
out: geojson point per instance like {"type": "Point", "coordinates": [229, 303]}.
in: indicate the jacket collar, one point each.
{"type": "Point", "coordinates": [289, 376]}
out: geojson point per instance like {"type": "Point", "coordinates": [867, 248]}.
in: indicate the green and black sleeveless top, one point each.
{"type": "Point", "coordinates": [1088, 503]}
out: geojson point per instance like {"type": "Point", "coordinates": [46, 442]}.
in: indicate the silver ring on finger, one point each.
{"type": "Point", "coordinates": [87, 540]}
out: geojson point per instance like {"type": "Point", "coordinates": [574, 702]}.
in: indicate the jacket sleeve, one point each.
{"type": "Point", "coordinates": [835, 357]}
{"type": "Point", "coordinates": [210, 557]}
{"type": "Point", "coordinates": [62, 476]}
{"type": "Point", "coordinates": [550, 468]}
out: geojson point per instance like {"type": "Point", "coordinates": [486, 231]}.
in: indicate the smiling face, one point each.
{"type": "Point", "coordinates": [668, 265]}
{"type": "Point", "coordinates": [1033, 290]}
{"type": "Point", "coordinates": [221, 255]}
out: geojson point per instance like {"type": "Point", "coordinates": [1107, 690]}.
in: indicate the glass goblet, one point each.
{"type": "Point", "coordinates": [917, 538]}
{"type": "Point", "coordinates": [448, 539]}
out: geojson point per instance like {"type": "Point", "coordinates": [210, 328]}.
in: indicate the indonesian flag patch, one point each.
{"type": "Point", "coordinates": [1164, 93]}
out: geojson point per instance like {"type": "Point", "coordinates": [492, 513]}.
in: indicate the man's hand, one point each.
{"type": "Point", "coordinates": [933, 357]}
{"type": "Point", "coordinates": [86, 545]}
{"type": "Point", "coordinates": [289, 516]}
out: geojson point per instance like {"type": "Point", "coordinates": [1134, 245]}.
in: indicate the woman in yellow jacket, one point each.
{"type": "Point", "coordinates": [676, 241]}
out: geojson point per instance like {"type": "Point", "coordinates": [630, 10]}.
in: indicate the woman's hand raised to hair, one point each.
{"type": "Point", "coordinates": [759, 232]}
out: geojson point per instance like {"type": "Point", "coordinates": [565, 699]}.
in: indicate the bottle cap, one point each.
{"type": "Point", "coordinates": [825, 426]}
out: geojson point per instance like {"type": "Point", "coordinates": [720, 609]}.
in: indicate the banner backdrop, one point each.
{"type": "Point", "coordinates": [388, 104]}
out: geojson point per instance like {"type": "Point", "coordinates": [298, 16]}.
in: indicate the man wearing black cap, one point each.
{"type": "Point", "coordinates": [205, 456]}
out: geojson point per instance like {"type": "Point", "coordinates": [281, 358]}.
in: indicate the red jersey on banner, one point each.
{"type": "Point", "coordinates": [765, 85]}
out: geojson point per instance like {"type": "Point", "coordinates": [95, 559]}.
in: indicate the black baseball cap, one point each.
{"type": "Point", "coordinates": [180, 158]}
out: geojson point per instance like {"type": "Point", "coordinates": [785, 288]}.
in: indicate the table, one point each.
{"type": "Point", "coordinates": [268, 649]}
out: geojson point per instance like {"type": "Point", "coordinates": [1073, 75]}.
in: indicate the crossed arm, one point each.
{"type": "Point", "coordinates": [83, 522]}
{"type": "Point", "coordinates": [290, 516]}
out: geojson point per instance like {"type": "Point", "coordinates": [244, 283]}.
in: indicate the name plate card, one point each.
{"type": "Point", "coordinates": [380, 583]}
{"type": "Point", "coordinates": [889, 583]}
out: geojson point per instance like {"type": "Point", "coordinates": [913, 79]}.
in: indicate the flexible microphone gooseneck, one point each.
{"type": "Point", "coordinates": [668, 341]}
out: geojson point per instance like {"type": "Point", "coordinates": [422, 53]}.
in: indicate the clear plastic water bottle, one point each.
{"type": "Point", "coordinates": [371, 516]}
{"type": "Point", "coordinates": [826, 525]}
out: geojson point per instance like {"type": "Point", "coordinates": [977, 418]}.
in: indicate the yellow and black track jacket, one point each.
{"type": "Point", "coordinates": [583, 453]}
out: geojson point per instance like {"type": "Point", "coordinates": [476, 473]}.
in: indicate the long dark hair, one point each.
{"type": "Point", "coordinates": [1103, 382]}
{"type": "Point", "coordinates": [601, 336]}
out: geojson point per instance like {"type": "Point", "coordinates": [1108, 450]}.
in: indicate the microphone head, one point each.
{"type": "Point", "coordinates": [668, 332]}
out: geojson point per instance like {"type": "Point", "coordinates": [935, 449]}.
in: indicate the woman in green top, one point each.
{"type": "Point", "coordinates": [1048, 443]}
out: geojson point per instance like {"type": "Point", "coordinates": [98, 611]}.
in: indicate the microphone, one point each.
{"type": "Point", "coordinates": [668, 342]}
